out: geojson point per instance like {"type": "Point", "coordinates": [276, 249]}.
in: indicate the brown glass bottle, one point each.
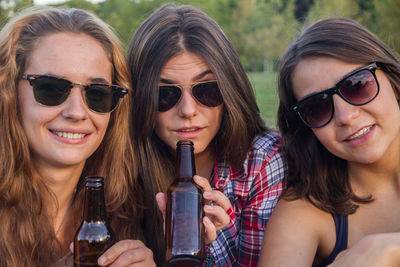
{"type": "Point", "coordinates": [93, 236]}
{"type": "Point", "coordinates": [184, 213]}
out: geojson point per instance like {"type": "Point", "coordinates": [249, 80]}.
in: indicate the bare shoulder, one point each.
{"type": "Point", "coordinates": [299, 213]}
{"type": "Point", "coordinates": [295, 233]}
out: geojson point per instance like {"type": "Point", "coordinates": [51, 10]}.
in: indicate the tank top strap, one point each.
{"type": "Point", "coordinates": [341, 227]}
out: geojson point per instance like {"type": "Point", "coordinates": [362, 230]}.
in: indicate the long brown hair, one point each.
{"type": "Point", "coordinates": [27, 237]}
{"type": "Point", "coordinates": [314, 172]}
{"type": "Point", "coordinates": [171, 30]}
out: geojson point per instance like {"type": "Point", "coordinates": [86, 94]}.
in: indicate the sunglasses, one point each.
{"type": "Point", "coordinates": [207, 93]}
{"type": "Point", "coordinates": [53, 91]}
{"type": "Point", "coordinates": [359, 87]}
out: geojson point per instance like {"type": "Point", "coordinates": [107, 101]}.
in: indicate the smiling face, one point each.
{"type": "Point", "coordinates": [362, 134]}
{"type": "Point", "coordinates": [188, 119]}
{"type": "Point", "coordinates": [67, 134]}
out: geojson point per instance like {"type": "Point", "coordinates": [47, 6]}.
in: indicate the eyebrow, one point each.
{"type": "Point", "coordinates": [197, 77]}
{"type": "Point", "coordinates": [91, 80]}
{"type": "Point", "coordinates": [99, 80]}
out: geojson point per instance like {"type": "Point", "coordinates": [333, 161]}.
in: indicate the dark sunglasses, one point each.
{"type": "Point", "coordinates": [53, 91]}
{"type": "Point", "coordinates": [207, 93]}
{"type": "Point", "coordinates": [359, 87]}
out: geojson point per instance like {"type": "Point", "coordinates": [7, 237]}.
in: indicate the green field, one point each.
{"type": "Point", "coordinates": [265, 87]}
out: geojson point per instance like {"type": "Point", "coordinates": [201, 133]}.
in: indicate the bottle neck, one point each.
{"type": "Point", "coordinates": [185, 162]}
{"type": "Point", "coordinates": [94, 204]}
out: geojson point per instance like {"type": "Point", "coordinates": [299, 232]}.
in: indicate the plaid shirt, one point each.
{"type": "Point", "coordinates": [253, 191]}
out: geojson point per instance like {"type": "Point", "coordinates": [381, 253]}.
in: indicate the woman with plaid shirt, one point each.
{"type": "Point", "coordinates": [189, 84]}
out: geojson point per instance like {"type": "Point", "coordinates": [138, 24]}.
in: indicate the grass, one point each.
{"type": "Point", "coordinates": [265, 88]}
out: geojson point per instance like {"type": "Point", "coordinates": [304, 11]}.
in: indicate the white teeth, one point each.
{"type": "Point", "coordinates": [70, 135]}
{"type": "Point", "coordinates": [360, 133]}
{"type": "Point", "coordinates": [189, 130]}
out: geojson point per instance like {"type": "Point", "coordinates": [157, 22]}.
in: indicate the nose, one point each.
{"type": "Point", "coordinates": [344, 111]}
{"type": "Point", "coordinates": [75, 107]}
{"type": "Point", "coordinates": [187, 106]}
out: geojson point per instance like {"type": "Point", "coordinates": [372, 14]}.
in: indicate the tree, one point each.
{"type": "Point", "coordinates": [81, 4]}
{"type": "Point", "coordinates": [338, 8]}
{"type": "Point", "coordinates": [387, 23]}
{"type": "Point", "coordinates": [8, 8]}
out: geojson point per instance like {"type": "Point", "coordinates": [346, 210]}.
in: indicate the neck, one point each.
{"type": "Point", "coordinates": [370, 178]}
{"type": "Point", "coordinates": [61, 183]}
{"type": "Point", "coordinates": [205, 163]}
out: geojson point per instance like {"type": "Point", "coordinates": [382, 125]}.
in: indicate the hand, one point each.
{"type": "Point", "coordinates": [215, 209]}
{"type": "Point", "coordinates": [378, 250]}
{"type": "Point", "coordinates": [126, 253]}
{"type": "Point", "coordinates": [216, 214]}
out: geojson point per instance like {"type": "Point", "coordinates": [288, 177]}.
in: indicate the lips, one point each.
{"type": "Point", "coordinates": [189, 132]}
{"type": "Point", "coordinates": [360, 133]}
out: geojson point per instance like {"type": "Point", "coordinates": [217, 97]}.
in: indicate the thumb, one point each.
{"type": "Point", "coordinates": [161, 202]}
{"type": "Point", "coordinates": [71, 247]}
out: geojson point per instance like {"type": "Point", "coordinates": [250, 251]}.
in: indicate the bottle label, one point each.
{"type": "Point", "coordinates": [186, 222]}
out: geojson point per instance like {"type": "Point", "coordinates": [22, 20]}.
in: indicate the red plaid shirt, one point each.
{"type": "Point", "coordinates": [253, 191]}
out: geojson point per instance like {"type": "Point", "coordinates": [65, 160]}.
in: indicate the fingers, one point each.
{"type": "Point", "coordinates": [127, 253]}
{"type": "Point", "coordinates": [210, 232]}
{"type": "Point", "coordinates": [218, 198]}
{"type": "Point", "coordinates": [202, 182]}
{"type": "Point", "coordinates": [215, 208]}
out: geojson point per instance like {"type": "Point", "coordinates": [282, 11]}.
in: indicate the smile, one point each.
{"type": "Point", "coordinates": [359, 133]}
{"type": "Point", "coordinates": [70, 135]}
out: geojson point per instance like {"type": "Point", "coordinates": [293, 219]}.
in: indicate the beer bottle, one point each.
{"type": "Point", "coordinates": [93, 236]}
{"type": "Point", "coordinates": [184, 212]}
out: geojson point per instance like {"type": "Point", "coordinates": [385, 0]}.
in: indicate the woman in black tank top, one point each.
{"type": "Point", "coordinates": [339, 116]}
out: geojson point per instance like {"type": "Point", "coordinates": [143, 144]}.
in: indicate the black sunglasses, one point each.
{"type": "Point", "coordinates": [53, 91]}
{"type": "Point", "coordinates": [207, 93]}
{"type": "Point", "coordinates": [359, 87]}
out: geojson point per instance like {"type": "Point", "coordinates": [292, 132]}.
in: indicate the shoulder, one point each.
{"type": "Point", "coordinates": [269, 141]}
{"type": "Point", "coordinates": [299, 229]}
{"type": "Point", "coordinates": [264, 160]}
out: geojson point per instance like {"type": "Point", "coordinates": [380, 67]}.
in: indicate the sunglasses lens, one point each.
{"type": "Point", "coordinates": [101, 98]}
{"type": "Point", "coordinates": [360, 88]}
{"type": "Point", "coordinates": [50, 91]}
{"type": "Point", "coordinates": [169, 95]}
{"type": "Point", "coordinates": [317, 110]}
{"type": "Point", "coordinates": [207, 93]}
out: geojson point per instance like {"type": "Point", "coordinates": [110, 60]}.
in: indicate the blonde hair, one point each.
{"type": "Point", "coordinates": [29, 240]}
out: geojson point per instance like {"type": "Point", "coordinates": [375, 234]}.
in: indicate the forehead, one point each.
{"type": "Point", "coordinates": [68, 52]}
{"type": "Point", "coordinates": [186, 65]}
{"type": "Point", "coordinates": [316, 74]}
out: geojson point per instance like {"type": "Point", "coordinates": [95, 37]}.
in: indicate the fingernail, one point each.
{"type": "Point", "coordinates": [101, 260]}
{"type": "Point", "coordinates": [208, 207]}
{"type": "Point", "coordinates": [207, 194]}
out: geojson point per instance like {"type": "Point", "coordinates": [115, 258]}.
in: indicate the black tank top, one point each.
{"type": "Point", "coordinates": [341, 226]}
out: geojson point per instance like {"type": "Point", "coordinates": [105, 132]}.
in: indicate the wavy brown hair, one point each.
{"type": "Point", "coordinates": [171, 30]}
{"type": "Point", "coordinates": [27, 237]}
{"type": "Point", "coordinates": [315, 173]}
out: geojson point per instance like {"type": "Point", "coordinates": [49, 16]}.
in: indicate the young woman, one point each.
{"type": "Point", "coordinates": [63, 78]}
{"type": "Point", "coordinates": [339, 115]}
{"type": "Point", "coordinates": [189, 84]}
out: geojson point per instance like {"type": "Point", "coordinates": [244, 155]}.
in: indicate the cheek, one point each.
{"type": "Point", "coordinates": [217, 117]}
{"type": "Point", "coordinates": [161, 126]}
{"type": "Point", "coordinates": [101, 122]}
{"type": "Point", "coordinates": [324, 136]}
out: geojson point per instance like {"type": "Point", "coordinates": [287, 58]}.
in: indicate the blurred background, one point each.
{"type": "Point", "coordinates": [260, 30]}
